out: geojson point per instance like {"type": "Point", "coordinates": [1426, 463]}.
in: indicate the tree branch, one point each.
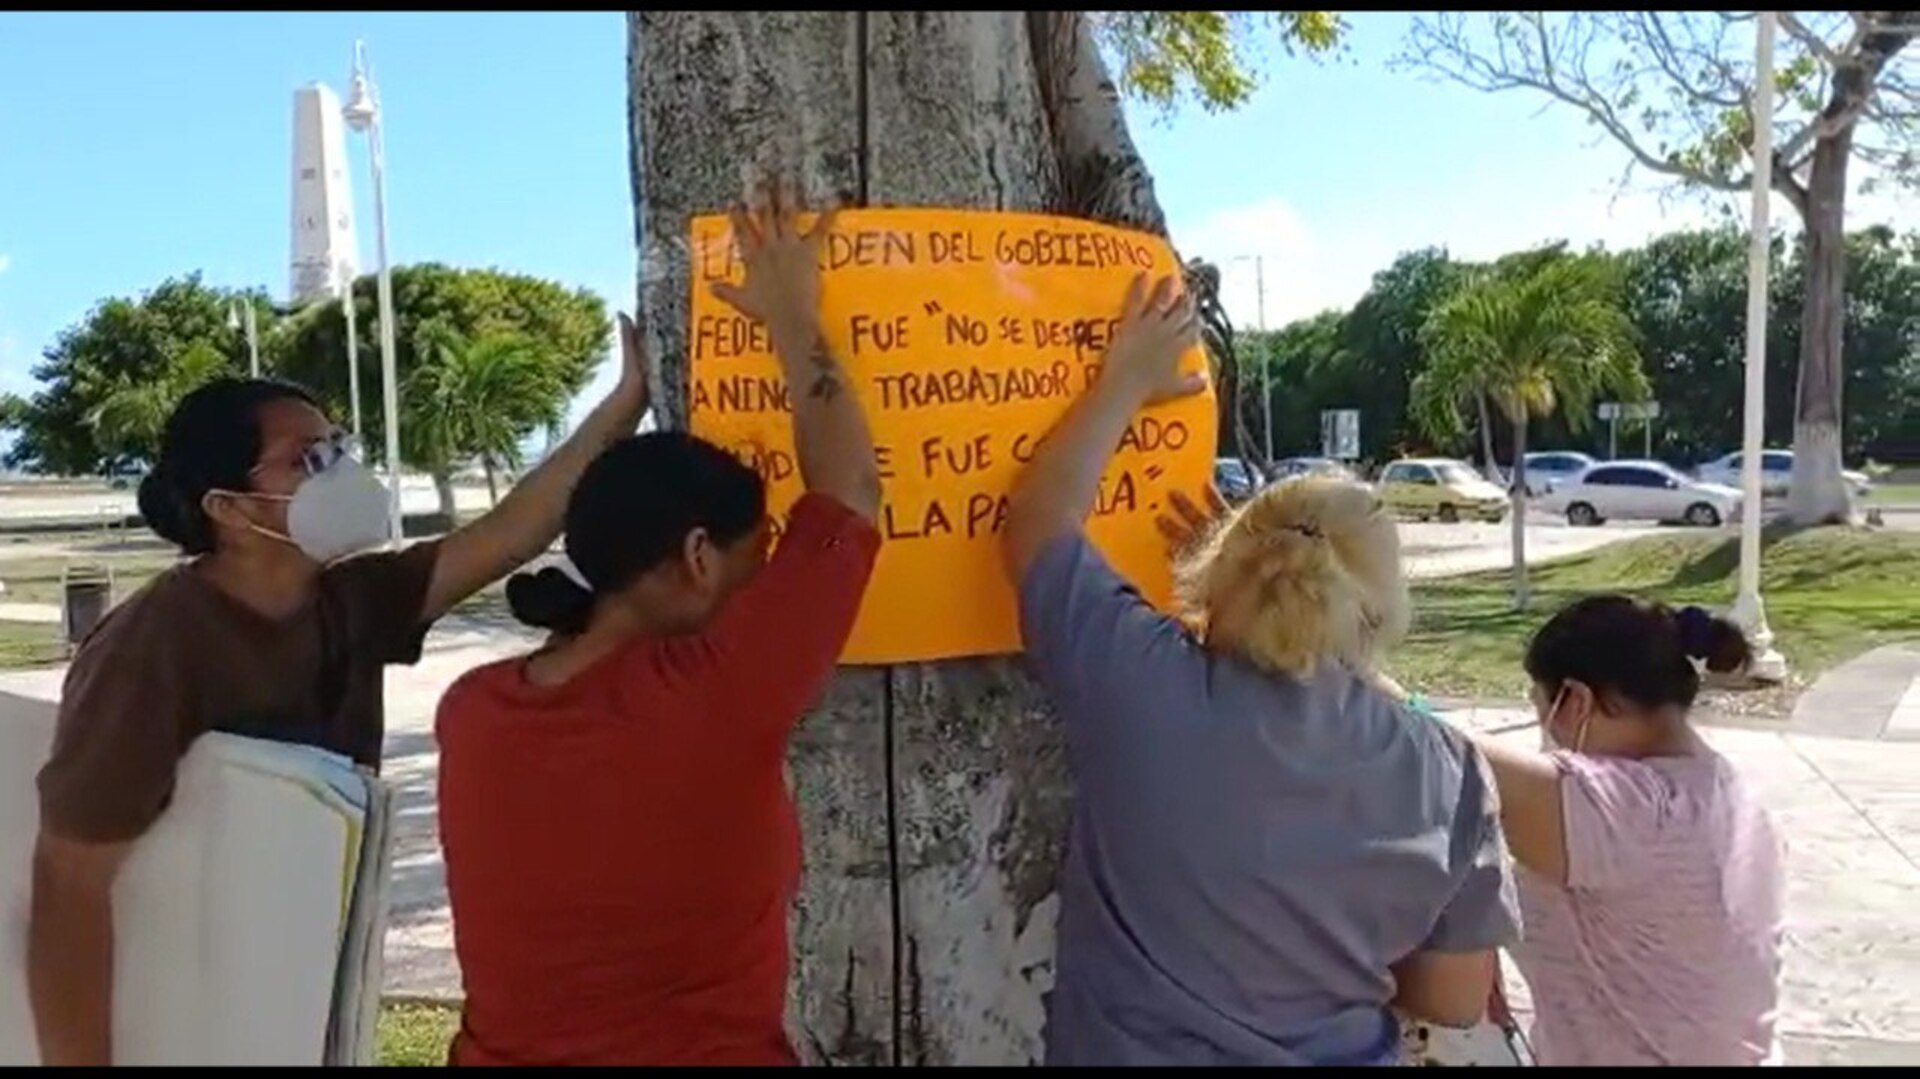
{"type": "Point", "coordinates": [1800, 32]}
{"type": "Point", "coordinates": [1441, 48]}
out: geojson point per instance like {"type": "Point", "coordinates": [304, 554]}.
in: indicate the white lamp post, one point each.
{"type": "Point", "coordinates": [1266, 369]}
{"type": "Point", "coordinates": [238, 312]}
{"type": "Point", "coordinates": [362, 113]}
{"type": "Point", "coordinates": [353, 350]}
{"type": "Point", "coordinates": [1748, 609]}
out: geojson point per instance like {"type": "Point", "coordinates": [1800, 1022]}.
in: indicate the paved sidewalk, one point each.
{"type": "Point", "coordinates": [1874, 696]}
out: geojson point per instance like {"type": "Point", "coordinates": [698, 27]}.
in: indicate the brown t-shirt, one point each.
{"type": "Point", "coordinates": [180, 658]}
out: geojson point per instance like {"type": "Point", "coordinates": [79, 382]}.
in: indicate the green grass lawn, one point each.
{"type": "Point", "coordinates": [1899, 494]}
{"type": "Point", "coordinates": [1831, 593]}
{"type": "Point", "coordinates": [414, 1035]}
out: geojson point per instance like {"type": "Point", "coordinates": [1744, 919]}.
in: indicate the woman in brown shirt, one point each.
{"type": "Point", "coordinates": [276, 627]}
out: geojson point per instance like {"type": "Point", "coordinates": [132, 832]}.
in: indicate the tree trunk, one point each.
{"type": "Point", "coordinates": [493, 490]}
{"type": "Point", "coordinates": [1517, 497]}
{"type": "Point", "coordinates": [933, 798]}
{"type": "Point", "coordinates": [443, 488]}
{"type": "Point", "coordinates": [1819, 494]}
{"type": "Point", "coordinates": [1486, 440]}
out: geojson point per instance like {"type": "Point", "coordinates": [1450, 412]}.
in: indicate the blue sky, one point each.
{"type": "Point", "coordinates": [133, 147]}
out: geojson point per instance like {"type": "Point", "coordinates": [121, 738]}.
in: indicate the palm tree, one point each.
{"type": "Point", "coordinates": [131, 419]}
{"type": "Point", "coordinates": [475, 399]}
{"type": "Point", "coordinates": [1533, 341]}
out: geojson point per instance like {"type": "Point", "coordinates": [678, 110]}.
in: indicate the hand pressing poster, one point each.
{"type": "Point", "coordinates": [966, 335]}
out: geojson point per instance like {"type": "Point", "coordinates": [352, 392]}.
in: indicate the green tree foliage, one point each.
{"type": "Point", "coordinates": [1533, 342]}
{"type": "Point", "coordinates": [124, 364]}
{"type": "Point", "coordinates": [476, 399]}
{"type": "Point", "coordinates": [1676, 91]}
{"type": "Point", "coordinates": [562, 331]}
{"type": "Point", "coordinates": [1533, 336]}
{"type": "Point", "coordinates": [1685, 294]}
{"type": "Point", "coordinates": [129, 423]}
{"type": "Point", "coordinates": [1163, 55]}
{"type": "Point", "coordinates": [110, 380]}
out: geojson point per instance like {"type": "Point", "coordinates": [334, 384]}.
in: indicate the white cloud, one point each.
{"type": "Point", "coordinates": [1298, 275]}
{"type": "Point", "coordinates": [6, 260]}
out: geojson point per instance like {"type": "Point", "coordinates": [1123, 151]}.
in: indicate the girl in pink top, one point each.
{"type": "Point", "coordinates": [1650, 876]}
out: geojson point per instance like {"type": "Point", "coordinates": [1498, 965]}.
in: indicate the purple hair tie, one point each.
{"type": "Point", "coordinates": [1696, 631]}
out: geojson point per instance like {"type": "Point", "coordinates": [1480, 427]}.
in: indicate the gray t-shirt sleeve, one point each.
{"type": "Point", "coordinates": [1102, 653]}
{"type": "Point", "coordinates": [1484, 911]}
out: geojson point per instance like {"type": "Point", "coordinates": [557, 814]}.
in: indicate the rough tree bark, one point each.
{"type": "Point", "coordinates": [1819, 494]}
{"type": "Point", "coordinates": [443, 490]}
{"type": "Point", "coordinates": [933, 798]}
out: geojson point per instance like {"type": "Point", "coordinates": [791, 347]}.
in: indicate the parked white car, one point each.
{"type": "Point", "coordinates": [1776, 474]}
{"type": "Point", "coordinates": [1545, 471]}
{"type": "Point", "coordinates": [1641, 491]}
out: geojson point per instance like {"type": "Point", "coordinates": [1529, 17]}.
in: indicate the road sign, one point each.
{"type": "Point", "coordinates": [1630, 410]}
{"type": "Point", "coordinates": [1340, 434]}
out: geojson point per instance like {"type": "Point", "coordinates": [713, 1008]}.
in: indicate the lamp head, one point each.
{"type": "Point", "coordinates": [361, 107]}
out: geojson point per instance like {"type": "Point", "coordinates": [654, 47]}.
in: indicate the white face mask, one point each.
{"type": "Point", "coordinates": [339, 512]}
{"type": "Point", "coordinates": [1550, 744]}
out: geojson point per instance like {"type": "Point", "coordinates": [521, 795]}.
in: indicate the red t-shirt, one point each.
{"type": "Point", "coordinates": [621, 850]}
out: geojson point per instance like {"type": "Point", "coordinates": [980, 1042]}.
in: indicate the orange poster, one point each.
{"type": "Point", "coordinates": [966, 334]}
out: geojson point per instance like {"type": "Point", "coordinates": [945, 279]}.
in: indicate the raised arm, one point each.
{"type": "Point", "coordinates": [1056, 491]}
{"type": "Point", "coordinates": [782, 290]}
{"type": "Point", "coordinates": [1531, 809]}
{"type": "Point", "coordinates": [530, 516]}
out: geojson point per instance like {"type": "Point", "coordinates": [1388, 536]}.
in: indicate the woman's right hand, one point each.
{"type": "Point", "coordinates": [1156, 330]}
{"type": "Point", "coordinates": [782, 283]}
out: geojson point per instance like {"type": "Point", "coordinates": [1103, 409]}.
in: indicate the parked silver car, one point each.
{"type": "Point", "coordinates": [1550, 468]}
{"type": "Point", "coordinates": [1288, 467]}
{"type": "Point", "coordinates": [1776, 474]}
{"type": "Point", "coordinates": [1641, 491]}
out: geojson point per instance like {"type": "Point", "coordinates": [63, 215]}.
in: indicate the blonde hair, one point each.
{"type": "Point", "coordinates": [1306, 572]}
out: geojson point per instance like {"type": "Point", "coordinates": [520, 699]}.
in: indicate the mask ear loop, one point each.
{"type": "Point", "coordinates": [1559, 698]}
{"type": "Point", "coordinates": [251, 526]}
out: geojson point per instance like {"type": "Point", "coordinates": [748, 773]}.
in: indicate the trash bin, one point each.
{"type": "Point", "coordinates": [85, 598]}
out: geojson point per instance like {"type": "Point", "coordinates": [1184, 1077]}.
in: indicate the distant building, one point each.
{"type": "Point", "coordinates": [324, 257]}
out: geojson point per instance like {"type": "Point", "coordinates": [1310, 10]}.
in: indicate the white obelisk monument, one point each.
{"type": "Point", "coordinates": [323, 248]}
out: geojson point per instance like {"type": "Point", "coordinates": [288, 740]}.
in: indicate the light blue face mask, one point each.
{"type": "Point", "coordinates": [1548, 743]}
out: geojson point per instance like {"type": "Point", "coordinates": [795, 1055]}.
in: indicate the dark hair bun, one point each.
{"type": "Point", "coordinates": [1717, 641]}
{"type": "Point", "coordinates": [159, 502]}
{"type": "Point", "coordinates": [549, 599]}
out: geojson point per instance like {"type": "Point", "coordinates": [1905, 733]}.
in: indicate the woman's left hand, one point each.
{"type": "Point", "coordinates": [634, 391]}
{"type": "Point", "coordinates": [1188, 523]}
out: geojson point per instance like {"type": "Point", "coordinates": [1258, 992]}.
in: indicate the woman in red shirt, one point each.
{"type": "Point", "coordinates": [621, 847]}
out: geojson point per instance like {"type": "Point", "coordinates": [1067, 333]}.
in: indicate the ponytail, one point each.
{"type": "Point", "coordinates": [549, 599]}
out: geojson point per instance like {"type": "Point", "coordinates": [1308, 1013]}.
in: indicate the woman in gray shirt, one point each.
{"type": "Point", "coordinates": [1269, 851]}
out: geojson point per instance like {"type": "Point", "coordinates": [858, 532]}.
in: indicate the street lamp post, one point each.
{"type": "Point", "coordinates": [353, 353]}
{"type": "Point", "coordinates": [1748, 609]}
{"type": "Point", "coordinates": [236, 314]}
{"type": "Point", "coordinates": [362, 113]}
{"type": "Point", "coordinates": [1266, 369]}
